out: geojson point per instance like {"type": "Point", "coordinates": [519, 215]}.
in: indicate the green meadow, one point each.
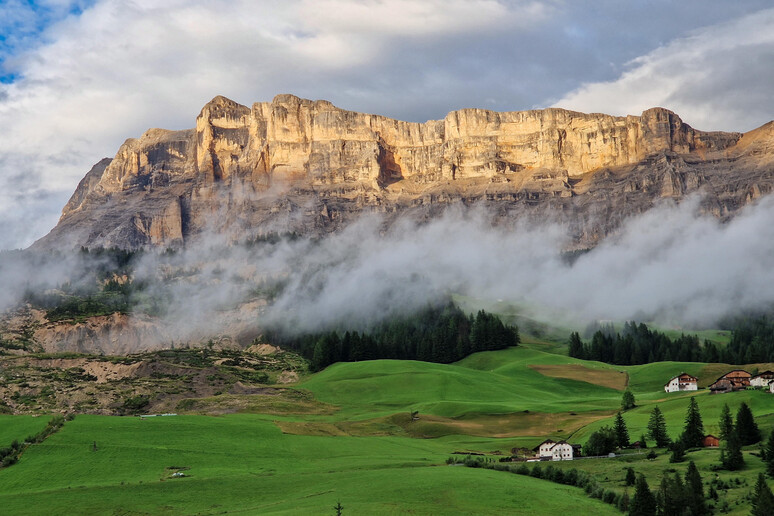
{"type": "Point", "coordinates": [363, 447]}
{"type": "Point", "coordinates": [242, 463]}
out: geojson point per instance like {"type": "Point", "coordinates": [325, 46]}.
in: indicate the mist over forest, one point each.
{"type": "Point", "coordinates": [671, 265]}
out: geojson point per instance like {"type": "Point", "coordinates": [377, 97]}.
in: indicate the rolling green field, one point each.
{"type": "Point", "coordinates": [363, 448]}
{"type": "Point", "coordinates": [243, 464]}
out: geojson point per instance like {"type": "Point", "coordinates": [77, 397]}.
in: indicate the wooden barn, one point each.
{"type": "Point", "coordinates": [735, 380]}
{"type": "Point", "coordinates": [710, 441]}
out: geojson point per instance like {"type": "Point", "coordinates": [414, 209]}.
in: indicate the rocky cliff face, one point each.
{"type": "Point", "coordinates": [308, 166]}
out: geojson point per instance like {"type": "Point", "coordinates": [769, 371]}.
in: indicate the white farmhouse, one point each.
{"type": "Point", "coordinates": [763, 379]}
{"type": "Point", "coordinates": [561, 450]}
{"type": "Point", "coordinates": [682, 382]}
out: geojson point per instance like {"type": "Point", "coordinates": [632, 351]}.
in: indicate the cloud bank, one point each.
{"type": "Point", "coordinates": [86, 75]}
{"type": "Point", "coordinates": [671, 265]}
{"type": "Point", "coordinates": [717, 78]}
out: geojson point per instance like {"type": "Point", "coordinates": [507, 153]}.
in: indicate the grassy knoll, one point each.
{"type": "Point", "coordinates": [495, 382]}
{"type": "Point", "coordinates": [244, 464]}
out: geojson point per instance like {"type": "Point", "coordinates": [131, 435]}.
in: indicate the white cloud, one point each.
{"type": "Point", "coordinates": [718, 78]}
{"type": "Point", "coordinates": [92, 80]}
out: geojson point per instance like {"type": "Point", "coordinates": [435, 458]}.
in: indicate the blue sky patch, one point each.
{"type": "Point", "coordinates": [22, 24]}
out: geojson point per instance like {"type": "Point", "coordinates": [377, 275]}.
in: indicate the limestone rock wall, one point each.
{"type": "Point", "coordinates": [330, 164]}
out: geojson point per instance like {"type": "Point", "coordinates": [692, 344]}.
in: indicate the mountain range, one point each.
{"type": "Point", "coordinates": [308, 167]}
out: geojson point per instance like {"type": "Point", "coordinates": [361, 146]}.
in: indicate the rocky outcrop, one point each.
{"type": "Point", "coordinates": [310, 167]}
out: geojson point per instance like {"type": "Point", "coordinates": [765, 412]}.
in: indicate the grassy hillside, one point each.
{"type": "Point", "coordinates": [243, 463]}
{"type": "Point", "coordinates": [19, 427]}
{"type": "Point", "coordinates": [494, 382]}
{"type": "Point", "coordinates": [348, 435]}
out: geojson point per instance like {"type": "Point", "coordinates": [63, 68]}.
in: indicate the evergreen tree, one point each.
{"type": "Point", "coordinates": [694, 428]}
{"type": "Point", "coordinates": [623, 502]}
{"type": "Point", "coordinates": [627, 402]}
{"type": "Point", "coordinates": [671, 494]}
{"type": "Point", "coordinates": [746, 427]}
{"type": "Point", "coordinates": [726, 423]}
{"type": "Point", "coordinates": [694, 491]}
{"type": "Point", "coordinates": [770, 455]}
{"type": "Point", "coordinates": [643, 503]}
{"type": "Point", "coordinates": [762, 500]}
{"type": "Point", "coordinates": [631, 478]}
{"type": "Point", "coordinates": [621, 432]}
{"type": "Point", "coordinates": [576, 346]}
{"type": "Point", "coordinates": [678, 451]}
{"type": "Point", "coordinates": [731, 454]}
{"type": "Point", "coordinates": [657, 428]}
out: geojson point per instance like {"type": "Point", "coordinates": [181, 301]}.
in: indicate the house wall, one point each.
{"type": "Point", "coordinates": [562, 452]}
{"type": "Point", "coordinates": [760, 381]}
{"type": "Point", "coordinates": [545, 450]}
{"type": "Point", "coordinates": [675, 385]}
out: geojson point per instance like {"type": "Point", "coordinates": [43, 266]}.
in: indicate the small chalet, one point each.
{"type": "Point", "coordinates": [763, 379]}
{"type": "Point", "coordinates": [735, 380]}
{"type": "Point", "coordinates": [682, 382]}
{"type": "Point", "coordinates": [710, 441]}
{"type": "Point", "coordinates": [552, 450]}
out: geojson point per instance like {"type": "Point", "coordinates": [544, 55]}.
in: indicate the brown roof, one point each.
{"type": "Point", "coordinates": [734, 378]}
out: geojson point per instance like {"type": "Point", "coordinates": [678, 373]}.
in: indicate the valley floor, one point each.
{"type": "Point", "coordinates": [364, 450]}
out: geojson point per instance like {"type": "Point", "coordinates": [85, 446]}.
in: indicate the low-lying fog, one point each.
{"type": "Point", "coordinates": [669, 265]}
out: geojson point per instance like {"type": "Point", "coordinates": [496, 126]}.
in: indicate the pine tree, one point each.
{"type": "Point", "coordinates": [762, 500]}
{"type": "Point", "coordinates": [678, 452]}
{"type": "Point", "coordinates": [770, 455]}
{"type": "Point", "coordinates": [694, 428]}
{"type": "Point", "coordinates": [627, 402]}
{"type": "Point", "coordinates": [671, 494]}
{"type": "Point", "coordinates": [694, 491]}
{"type": "Point", "coordinates": [576, 346]}
{"type": "Point", "coordinates": [630, 477]}
{"type": "Point", "coordinates": [621, 432]}
{"type": "Point", "coordinates": [726, 423]}
{"type": "Point", "coordinates": [657, 428]}
{"type": "Point", "coordinates": [731, 455]}
{"type": "Point", "coordinates": [623, 502]}
{"type": "Point", "coordinates": [746, 427]}
{"type": "Point", "coordinates": [643, 503]}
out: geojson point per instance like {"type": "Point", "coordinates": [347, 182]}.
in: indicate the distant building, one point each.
{"type": "Point", "coordinates": [682, 382]}
{"type": "Point", "coordinates": [710, 441]}
{"type": "Point", "coordinates": [771, 387]}
{"type": "Point", "coordinates": [763, 379]}
{"type": "Point", "coordinates": [735, 380]}
{"type": "Point", "coordinates": [552, 450]}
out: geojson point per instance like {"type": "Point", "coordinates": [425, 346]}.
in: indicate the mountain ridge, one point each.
{"type": "Point", "coordinates": [297, 165]}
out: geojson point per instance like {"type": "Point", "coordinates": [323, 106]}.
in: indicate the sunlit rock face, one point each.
{"type": "Point", "coordinates": [309, 167]}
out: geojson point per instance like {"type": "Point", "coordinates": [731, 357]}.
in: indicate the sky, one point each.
{"type": "Point", "coordinates": [77, 78]}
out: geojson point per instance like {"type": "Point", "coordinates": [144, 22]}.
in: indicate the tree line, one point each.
{"type": "Point", "coordinates": [752, 341]}
{"type": "Point", "coordinates": [442, 333]}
